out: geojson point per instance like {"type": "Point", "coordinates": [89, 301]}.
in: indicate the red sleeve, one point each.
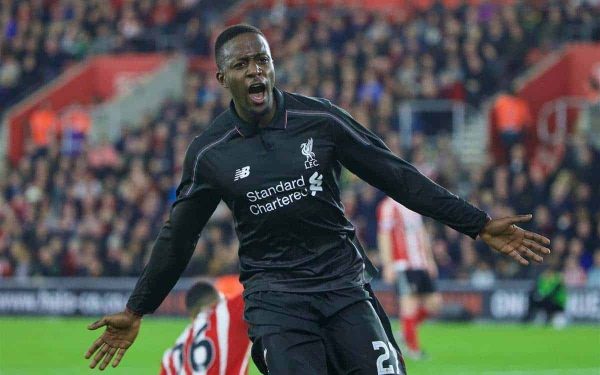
{"type": "Point", "coordinates": [399, 250]}
{"type": "Point", "coordinates": [385, 216]}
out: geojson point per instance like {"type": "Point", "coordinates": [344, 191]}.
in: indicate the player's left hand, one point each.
{"type": "Point", "coordinates": [121, 330]}
{"type": "Point", "coordinates": [505, 236]}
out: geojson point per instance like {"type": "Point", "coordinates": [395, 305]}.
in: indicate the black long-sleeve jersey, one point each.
{"type": "Point", "coordinates": [282, 184]}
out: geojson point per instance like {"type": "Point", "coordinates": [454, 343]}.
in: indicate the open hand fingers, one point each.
{"type": "Point", "coordinates": [516, 256]}
{"type": "Point", "coordinates": [536, 247]}
{"type": "Point", "coordinates": [101, 353]}
{"type": "Point", "coordinates": [118, 357]}
{"type": "Point", "coordinates": [520, 218]}
{"type": "Point", "coordinates": [107, 358]}
{"type": "Point", "coordinates": [98, 343]}
{"type": "Point", "coordinates": [527, 253]}
{"type": "Point", "coordinates": [537, 238]}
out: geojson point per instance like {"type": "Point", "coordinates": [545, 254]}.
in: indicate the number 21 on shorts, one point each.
{"type": "Point", "coordinates": [387, 347]}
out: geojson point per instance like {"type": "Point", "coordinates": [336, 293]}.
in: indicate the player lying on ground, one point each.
{"type": "Point", "coordinates": [275, 159]}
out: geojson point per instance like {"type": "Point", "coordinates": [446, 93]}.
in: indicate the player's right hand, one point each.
{"type": "Point", "coordinates": [121, 330]}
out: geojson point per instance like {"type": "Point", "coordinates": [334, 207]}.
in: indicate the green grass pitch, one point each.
{"type": "Point", "coordinates": [56, 346]}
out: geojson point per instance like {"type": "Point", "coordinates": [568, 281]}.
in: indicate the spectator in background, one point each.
{"type": "Point", "coordinates": [483, 276]}
{"type": "Point", "coordinates": [594, 84]}
{"type": "Point", "coordinates": [104, 158]}
{"type": "Point", "coordinates": [10, 73]}
{"type": "Point", "coordinates": [45, 127]}
{"type": "Point", "coordinates": [512, 119]}
{"type": "Point", "coordinates": [76, 123]}
{"type": "Point", "coordinates": [593, 277]}
{"type": "Point", "coordinates": [574, 273]}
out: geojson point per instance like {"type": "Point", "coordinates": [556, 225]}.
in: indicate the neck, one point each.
{"type": "Point", "coordinates": [261, 120]}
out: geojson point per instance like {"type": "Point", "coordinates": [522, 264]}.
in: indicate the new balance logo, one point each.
{"type": "Point", "coordinates": [242, 173]}
{"type": "Point", "coordinates": [316, 180]}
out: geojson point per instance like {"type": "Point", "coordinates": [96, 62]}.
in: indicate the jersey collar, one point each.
{"type": "Point", "coordinates": [247, 129]}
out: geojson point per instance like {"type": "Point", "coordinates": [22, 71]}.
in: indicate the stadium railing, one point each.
{"type": "Point", "coordinates": [466, 124]}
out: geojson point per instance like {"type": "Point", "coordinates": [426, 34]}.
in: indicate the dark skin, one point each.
{"type": "Point", "coordinates": [247, 60]}
{"type": "Point", "coordinates": [121, 330]}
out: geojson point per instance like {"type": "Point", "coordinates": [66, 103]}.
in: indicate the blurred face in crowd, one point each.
{"type": "Point", "coordinates": [247, 72]}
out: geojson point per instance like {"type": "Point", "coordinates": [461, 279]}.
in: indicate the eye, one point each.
{"type": "Point", "coordinates": [264, 59]}
{"type": "Point", "coordinates": [239, 65]}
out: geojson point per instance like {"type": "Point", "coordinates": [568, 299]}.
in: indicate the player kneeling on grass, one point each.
{"type": "Point", "coordinates": [216, 342]}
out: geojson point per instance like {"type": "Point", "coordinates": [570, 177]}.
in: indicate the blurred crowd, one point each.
{"type": "Point", "coordinates": [464, 53]}
{"type": "Point", "coordinates": [40, 38]}
{"type": "Point", "coordinates": [96, 211]}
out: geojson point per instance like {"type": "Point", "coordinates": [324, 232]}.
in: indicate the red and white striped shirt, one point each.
{"type": "Point", "coordinates": [215, 343]}
{"type": "Point", "coordinates": [408, 236]}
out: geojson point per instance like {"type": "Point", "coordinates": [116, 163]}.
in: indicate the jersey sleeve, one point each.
{"type": "Point", "coordinates": [365, 155]}
{"type": "Point", "coordinates": [196, 201]}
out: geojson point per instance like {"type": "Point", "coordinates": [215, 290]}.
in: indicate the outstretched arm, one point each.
{"type": "Point", "coordinates": [172, 250]}
{"type": "Point", "coordinates": [364, 154]}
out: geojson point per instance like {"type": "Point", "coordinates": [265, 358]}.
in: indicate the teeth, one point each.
{"type": "Point", "coordinates": [258, 97]}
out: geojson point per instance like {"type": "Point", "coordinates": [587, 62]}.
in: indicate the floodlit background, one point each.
{"type": "Point", "coordinates": [499, 101]}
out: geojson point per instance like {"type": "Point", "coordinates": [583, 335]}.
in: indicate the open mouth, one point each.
{"type": "Point", "coordinates": [257, 92]}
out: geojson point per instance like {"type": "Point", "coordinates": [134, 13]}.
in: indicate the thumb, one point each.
{"type": "Point", "coordinates": [97, 324]}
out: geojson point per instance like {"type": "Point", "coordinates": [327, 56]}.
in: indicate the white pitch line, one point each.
{"type": "Point", "coordinates": [576, 371]}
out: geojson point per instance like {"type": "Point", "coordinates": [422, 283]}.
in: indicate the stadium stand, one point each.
{"type": "Point", "coordinates": [96, 213]}
{"type": "Point", "coordinates": [39, 39]}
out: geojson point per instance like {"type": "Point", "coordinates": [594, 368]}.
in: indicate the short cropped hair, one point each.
{"type": "Point", "coordinates": [200, 295]}
{"type": "Point", "coordinates": [228, 34]}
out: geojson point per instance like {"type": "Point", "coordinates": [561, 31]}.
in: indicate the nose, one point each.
{"type": "Point", "coordinates": [254, 69]}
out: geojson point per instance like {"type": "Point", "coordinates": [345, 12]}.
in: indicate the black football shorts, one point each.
{"type": "Point", "coordinates": [414, 282]}
{"type": "Point", "coordinates": [334, 332]}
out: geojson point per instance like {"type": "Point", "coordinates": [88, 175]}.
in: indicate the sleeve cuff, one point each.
{"type": "Point", "coordinates": [487, 219]}
{"type": "Point", "coordinates": [128, 310]}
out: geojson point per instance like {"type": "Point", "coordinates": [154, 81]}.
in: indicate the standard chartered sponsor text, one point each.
{"type": "Point", "coordinates": [295, 188]}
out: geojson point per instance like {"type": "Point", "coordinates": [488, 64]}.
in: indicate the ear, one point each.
{"type": "Point", "coordinates": [221, 78]}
